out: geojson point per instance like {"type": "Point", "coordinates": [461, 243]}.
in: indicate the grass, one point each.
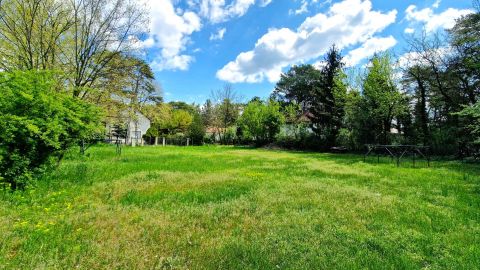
{"type": "Point", "coordinates": [233, 208]}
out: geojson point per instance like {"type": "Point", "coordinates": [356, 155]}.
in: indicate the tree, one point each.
{"type": "Point", "coordinates": [80, 37]}
{"type": "Point", "coordinates": [226, 109]}
{"type": "Point", "coordinates": [465, 39]}
{"type": "Point", "coordinates": [160, 116]}
{"type": "Point", "coordinates": [320, 94]}
{"type": "Point", "coordinates": [181, 121]}
{"type": "Point", "coordinates": [101, 30]}
{"type": "Point", "coordinates": [357, 122]}
{"type": "Point", "coordinates": [381, 99]}
{"type": "Point", "coordinates": [180, 105]}
{"type": "Point", "coordinates": [473, 115]}
{"type": "Point", "coordinates": [261, 122]}
{"type": "Point", "coordinates": [32, 34]}
{"type": "Point", "coordinates": [39, 124]}
{"type": "Point", "coordinates": [415, 81]}
{"type": "Point", "coordinates": [296, 86]}
{"type": "Point", "coordinates": [443, 77]}
{"type": "Point", "coordinates": [166, 120]}
{"type": "Point", "coordinates": [196, 130]}
{"type": "Point", "coordinates": [208, 113]}
{"type": "Point", "coordinates": [328, 99]}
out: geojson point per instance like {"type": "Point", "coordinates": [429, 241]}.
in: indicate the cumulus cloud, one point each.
{"type": "Point", "coordinates": [347, 23]}
{"type": "Point", "coordinates": [169, 32]}
{"type": "Point", "coordinates": [434, 21]}
{"type": "Point", "coordinates": [368, 49]}
{"type": "Point", "coordinates": [171, 27]}
{"type": "Point", "coordinates": [219, 34]}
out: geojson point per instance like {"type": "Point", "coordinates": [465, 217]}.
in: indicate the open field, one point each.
{"type": "Point", "coordinates": [233, 208]}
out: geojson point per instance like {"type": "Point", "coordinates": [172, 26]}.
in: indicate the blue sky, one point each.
{"type": "Point", "coordinates": [195, 46]}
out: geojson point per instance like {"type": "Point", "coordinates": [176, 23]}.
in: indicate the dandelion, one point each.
{"type": "Point", "coordinates": [69, 206]}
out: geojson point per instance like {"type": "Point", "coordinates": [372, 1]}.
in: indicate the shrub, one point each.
{"type": "Point", "coordinates": [39, 123]}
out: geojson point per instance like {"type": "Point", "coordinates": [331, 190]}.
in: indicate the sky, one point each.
{"type": "Point", "coordinates": [196, 46]}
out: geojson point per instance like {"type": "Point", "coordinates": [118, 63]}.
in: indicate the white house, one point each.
{"type": "Point", "coordinates": [134, 127]}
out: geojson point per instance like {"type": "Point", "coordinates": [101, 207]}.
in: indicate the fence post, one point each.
{"type": "Point", "coordinates": [188, 141]}
{"type": "Point", "coordinates": [163, 141]}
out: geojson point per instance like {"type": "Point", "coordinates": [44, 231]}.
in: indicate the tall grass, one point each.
{"type": "Point", "coordinates": [234, 208]}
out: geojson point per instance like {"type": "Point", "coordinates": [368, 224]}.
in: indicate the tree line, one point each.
{"type": "Point", "coordinates": [429, 96]}
{"type": "Point", "coordinates": [70, 67]}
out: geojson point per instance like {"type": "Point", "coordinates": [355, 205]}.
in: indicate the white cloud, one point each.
{"type": "Point", "coordinates": [219, 35]}
{"type": "Point", "coordinates": [436, 4]}
{"type": "Point", "coordinates": [176, 62]}
{"type": "Point", "coordinates": [347, 23]}
{"type": "Point", "coordinates": [217, 11]}
{"type": "Point", "coordinates": [303, 8]}
{"type": "Point", "coordinates": [434, 21]}
{"type": "Point", "coordinates": [409, 30]}
{"type": "Point", "coordinates": [305, 4]}
{"type": "Point", "coordinates": [369, 48]}
{"type": "Point", "coordinates": [170, 29]}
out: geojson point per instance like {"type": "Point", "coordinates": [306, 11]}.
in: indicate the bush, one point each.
{"type": "Point", "coordinates": [39, 123]}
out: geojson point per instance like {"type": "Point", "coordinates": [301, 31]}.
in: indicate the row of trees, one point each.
{"type": "Point", "coordinates": [69, 66]}
{"type": "Point", "coordinates": [429, 96]}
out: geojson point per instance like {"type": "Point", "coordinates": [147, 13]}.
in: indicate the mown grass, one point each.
{"type": "Point", "coordinates": [233, 208]}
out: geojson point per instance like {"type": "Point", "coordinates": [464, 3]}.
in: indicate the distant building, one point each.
{"type": "Point", "coordinates": [127, 129]}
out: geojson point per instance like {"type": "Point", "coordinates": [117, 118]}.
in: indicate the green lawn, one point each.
{"type": "Point", "coordinates": [233, 208]}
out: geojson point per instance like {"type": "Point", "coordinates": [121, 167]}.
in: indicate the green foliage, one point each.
{"type": "Point", "coordinates": [208, 113]}
{"type": "Point", "coordinates": [180, 105]}
{"type": "Point", "coordinates": [328, 99]}
{"type": "Point", "coordinates": [261, 122]}
{"type": "Point", "coordinates": [167, 120]}
{"type": "Point", "coordinates": [382, 102]}
{"type": "Point", "coordinates": [465, 38]}
{"type": "Point", "coordinates": [227, 113]}
{"type": "Point", "coordinates": [196, 130]}
{"type": "Point", "coordinates": [180, 122]}
{"type": "Point", "coordinates": [296, 86]}
{"type": "Point", "coordinates": [39, 123]}
{"type": "Point", "coordinates": [319, 93]}
{"type": "Point", "coordinates": [473, 112]}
